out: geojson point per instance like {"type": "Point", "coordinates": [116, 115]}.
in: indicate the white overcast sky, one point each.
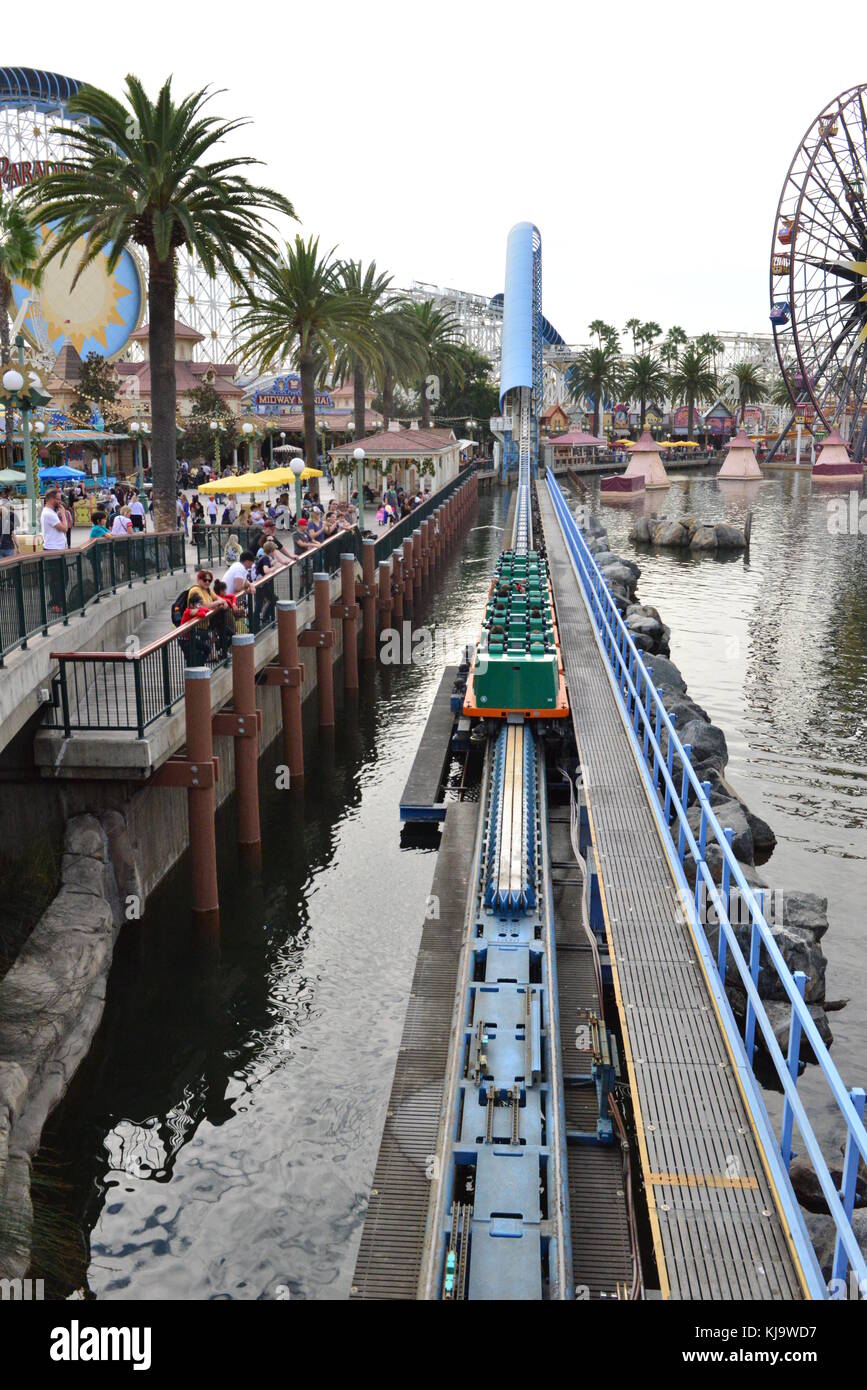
{"type": "Point", "coordinates": [648, 142]}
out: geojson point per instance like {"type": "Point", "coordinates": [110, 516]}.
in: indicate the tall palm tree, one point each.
{"type": "Point", "coordinates": [748, 385]}
{"type": "Point", "coordinates": [402, 356]}
{"type": "Point", "coordinates": [649, 332]}
{"type": "Point", "coordinates": [633, 326]}
{"type": "Point", "coordinates": [597, 329]}
{"type": "Point", "coordinates": [712, 345]}
{"type": "Point", "coordinates": [437, 331]}
{"type": "Point", "coordinates": [596, 373]}
{"type": "Point", "coordinates": [19, 257]}
{"type": "Point", "coordinates": [692, 379]}
{"type": "Point", "coordinates": [644, 378]}
{"type": "Point", "coordinates": [148, 172]}
{"type": "Point", "coordinates": [354, 360]}
{"type": "Point", "coordinates": [675, 339]}
{"type": "Point", "coordinates": [301, 310]}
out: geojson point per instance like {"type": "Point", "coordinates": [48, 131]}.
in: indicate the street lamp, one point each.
{"type": "Point", "coordinates": [135, 429]}
{"type": "Point", "coordinates": [216, 427]}
{"type": "Point", "coordinates": [358, 455]}
{"type": "Point", "coordinates": [24, 393]}
{"type": "Point", "coordinates": [249, 433]}
{"type": "Point", "coordinates": [297, 466]}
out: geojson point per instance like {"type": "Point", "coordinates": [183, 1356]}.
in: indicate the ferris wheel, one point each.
{"type": "Point", "coordinates": [818, 272]}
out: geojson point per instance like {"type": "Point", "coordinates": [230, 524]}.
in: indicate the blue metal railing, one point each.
{"type": "Point", "coordinates": [651, 728]}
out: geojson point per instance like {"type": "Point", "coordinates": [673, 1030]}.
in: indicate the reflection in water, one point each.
{"type": "Point", "coordinates": [221, 1136]}
{"type": "Point", "coordinates": [774, 646]}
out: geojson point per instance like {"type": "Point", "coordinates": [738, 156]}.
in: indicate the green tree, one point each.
{"type": "Point", "coordinates": [713, 346]}
{"type": "Point", "coordinates": [644, 379]}
{"type": "Point", "coordinates": [19, 260]}
{"type": "Point", "coordinates": [198, 439]}
{"type": "Point", "coordinates": [145, 171]}
{"type": "Point", "coordinates": [359, 357]}
{"type": "Point", "coordinates": [692, 379]}
{"type": "Point", "coordinates": [649, 332]}
{"type": "Point", "coordinates": [470, 394]}
{"type": "Point", "coordinates": [748, 385]}
{"type": "Point", "coordinates": [633, 326]}
{"type": "Point", "coordinates": [301, 310]}
{"type": "Point", "coordinates": [437, 331]}
{"type": "Point", "coordinates": [98, 386]}
{"type": "Point", "coordinates": [596, 373]}
{"type": "Point", "coordinates": [402, 354]}
{"type": "Point", "coordinates": [675, 339]}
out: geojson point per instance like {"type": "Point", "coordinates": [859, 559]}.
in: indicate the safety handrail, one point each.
{"type": "Point", "coordinates": [631, 675]}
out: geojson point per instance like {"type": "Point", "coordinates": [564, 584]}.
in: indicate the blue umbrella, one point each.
{"type": "Point", "coordinates": [63, 474]}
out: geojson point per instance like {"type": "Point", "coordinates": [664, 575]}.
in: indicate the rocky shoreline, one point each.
{"type": "Point", "coordinates": [798, 920]}
{"type": "Point", "coordinates": [687, 533]}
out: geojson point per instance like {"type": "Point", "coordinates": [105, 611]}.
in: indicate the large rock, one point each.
{"type": "Point", "coordinates": [730, 814]}
{"type": "Point", "coordinates": [671, 534]}
{"type": "Point", "coordinates": [709, 747]}
{"type": "Point", "coordinates": [703, 538]}
{"type": "Point", "coordinates": [642, 532]}
{"type": "Point", "coordinates": [616, 571]}
{"type": "Point", "coordinates": [780, 1013]}
{"type": "Point", "coordinates": [666, 674]}
{"type": "Point", "coordinates": [729, 537]}
{"type": "Point", "coordinates": [84, 835]}
{"type": "Point", "coordinates": [806, 912]}
{"type": "Point", "coordinates": [808, 1189]}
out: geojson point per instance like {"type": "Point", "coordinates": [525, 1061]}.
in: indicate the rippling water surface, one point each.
{"type": "Point", "coordinates": [220, 1140]}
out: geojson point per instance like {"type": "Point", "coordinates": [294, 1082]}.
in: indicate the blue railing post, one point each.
{"type": "Point", "coordinates": [669, 764]}
{"type": "Point", "coordinates": [684, 801]}
{"type": "Point", "coordinates": [793, 1057]}
{"type": "Point", "coordinates": [657, 733]}
{"type": "Point", "coordinates": [646, 719]}
{"type": "Point", "coordinates": [725, 888]}
{"type": "Point", "coordinates": [847, 1191]}
{"type": "Point", "coordinates": [755, 958]}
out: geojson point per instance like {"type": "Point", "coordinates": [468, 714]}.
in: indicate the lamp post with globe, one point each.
{"type": "Point", "coordinates": [249, 433]}
{"type": "Point", "coordinates": [217, 429]}
{"type": "Point", "coordinates": [23, 391]}
{"type": "Point", "coordinates": [359, 456]}
{"type": "Point", "coordinates": [297, 466]}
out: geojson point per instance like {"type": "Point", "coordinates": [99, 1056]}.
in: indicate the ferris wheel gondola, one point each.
{"type": "Point", "coordinates": [818, 271]}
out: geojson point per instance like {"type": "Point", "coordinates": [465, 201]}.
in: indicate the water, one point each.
{"type": "Point", "coordinates": [774, 647]}
{"type": "Point", "coordinates": [220, 1139]}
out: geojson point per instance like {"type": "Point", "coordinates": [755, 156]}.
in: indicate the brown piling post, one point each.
{"type": "Point", "coordinates": [246, 738]}
{"type": "Point", "coordinates": [350, 625]}
{"type": "Point", "coordinates": [417, 559]}
{"type": "Point", "coordinates": [397, 584]}
{"type": "Point", "coordinates": [425, 552]}
{"type": "Point", "coordinates": [201, 797]}
{"type": "Point", "coordinates": [385, 600]}
{"type": "Point", "coordinates": [406, 563]}
{"type": "Point", "coordinates": [290, 695]}
{"type": "Point", "coordinates": [368, 602]}
{"type": "Point", "coordinates": [324, 651]}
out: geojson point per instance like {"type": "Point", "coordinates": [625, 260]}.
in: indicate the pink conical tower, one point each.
{"type": "Point", "coordinates": [646, 459]}
{"type": "Point", "coordinates": [741, 461]}
{"type": "Point", "coordinates": [833, 464]}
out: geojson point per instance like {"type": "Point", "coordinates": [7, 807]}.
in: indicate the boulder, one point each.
{"type": "Point", "coordinates": [709, 747]}
{"type": "Point", "coordinates": [642, 532]}
{"type": "Point", "coordinates": [780, 1013]}
{"type": "Point", "coordinates": [729, 537]}
{"type": "Point", "coordinates": [671, 534]}
{"type": "Point", "coordinates": [666, 674]}
{"type": "Point", "coordinates": [806, 912]}
{"type": "Point", "coordinates": [703, 538]}
{"type": "Point", "coordinates": [730, 814]}
{"type": "Point", "coordinates": [808, 1189]}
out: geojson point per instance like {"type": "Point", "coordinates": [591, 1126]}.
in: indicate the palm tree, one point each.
{"type": "Point", "coordinates": [597, 329]}
{"type": "Point", "coordinates": [692, 379]}
{"type": "Point", "coordinates": [19, 257]}
{"type": "Point", "coordinates": [351, 361]}
{"type": "Point", "coordinates": [712, 345]}
{"type": "Point", "coordinates": [675, 339]}
{"type": "Point", "coordinates": [402, 354]}
{"type": "Point", "coordinates": [644, 378]}
{"type": "Point", "coordinates": [633, 326]}
{"type": "Point", "coordinates": [437, 331]}
{"type": "Point", "coordinates": [596, 373]}
{"type": "Point", "coordinates": [649, 332]}
{"type": "Point", "coordinates": [749, 385]}
{"type": "Point", "coordinates": [301, 310]}
{"type": "Point", "coordinates": [146, 172]}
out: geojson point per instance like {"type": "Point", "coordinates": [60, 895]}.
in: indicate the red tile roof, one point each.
{"type": "Point", "coordinates": [403, 443]}
{"type": "Point", "coordinates": [182, 330]}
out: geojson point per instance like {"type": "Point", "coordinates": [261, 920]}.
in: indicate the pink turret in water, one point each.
{"type": "Point", "coordinates": [741, 461]}
{"type": "Point", "coordinates": [833, 464]}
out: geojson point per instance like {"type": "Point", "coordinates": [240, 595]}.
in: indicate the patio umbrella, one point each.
{"type": "Point", "coordinates": [63, 474]}
{"type": "Point", "coordinates": [11, 476]}
{"type": "Point", "coordinates": [288, 449]}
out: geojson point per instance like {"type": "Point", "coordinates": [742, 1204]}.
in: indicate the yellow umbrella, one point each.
{"type": "Point", "coordinates": [689, 444]}
{"type": "Point", "coordinates": [263, 481]}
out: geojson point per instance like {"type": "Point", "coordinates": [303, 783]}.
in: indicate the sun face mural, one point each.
{"type": "Point", "coordinates": [98, 314]}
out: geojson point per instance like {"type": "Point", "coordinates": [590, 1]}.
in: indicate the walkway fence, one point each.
{"type": "Point", "coordinates": [132, 689]}
{"type": "Point", "coordinates": [743, 949]}
{"type": "Point", "coordinates": [39, 591]}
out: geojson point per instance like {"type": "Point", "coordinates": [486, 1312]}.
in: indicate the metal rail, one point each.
{"type": "Point", "coordinates": [37, 592]}
{"type": "Point", "coordinates": [672, 782]}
